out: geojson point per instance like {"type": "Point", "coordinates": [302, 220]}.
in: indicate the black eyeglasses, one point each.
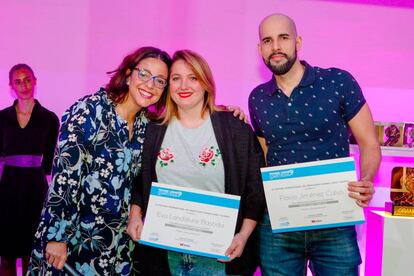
{"type": "Point", "coordinates": [145, 76]}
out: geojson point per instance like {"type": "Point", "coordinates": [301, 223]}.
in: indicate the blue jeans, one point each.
{"type": "Point", "coordinates": [330, 252]}
{"type": "Point", "coordinates": [186, 264]}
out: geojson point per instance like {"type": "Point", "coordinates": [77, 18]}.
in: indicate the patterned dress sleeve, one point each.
{"type": "Point", "coordinates": [50, 144]}
{"type": "Point", "coordinates": [62, 208]}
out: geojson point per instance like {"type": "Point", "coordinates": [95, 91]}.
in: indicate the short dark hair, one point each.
{"type": "Point", "coordinates": [18, 67]}
{"type": "Point", "coordinates": [117, 87]}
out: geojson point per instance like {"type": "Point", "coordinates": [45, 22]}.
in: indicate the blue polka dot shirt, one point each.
{"type": "Point", "coordinates": [311, 124]}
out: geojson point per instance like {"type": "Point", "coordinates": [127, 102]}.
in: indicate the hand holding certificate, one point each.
{"type": "Point", "coordinates": [311, 195]}
{"type": "Point", "coordinates": [190, 221]}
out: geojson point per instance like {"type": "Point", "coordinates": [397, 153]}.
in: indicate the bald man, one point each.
{"type": "Point", "coordinates": [303, 114]}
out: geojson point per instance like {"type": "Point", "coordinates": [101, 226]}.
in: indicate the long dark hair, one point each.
{"type": "Point", "coordinates": [117, 87]}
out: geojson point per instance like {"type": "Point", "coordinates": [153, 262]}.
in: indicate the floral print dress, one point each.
{"type": "Point", "coordinates": [88, 202]}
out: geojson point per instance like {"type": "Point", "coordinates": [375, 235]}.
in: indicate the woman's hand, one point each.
{"type": "Point", "coordinates": [56, 254]}
{"type": "Point", "coordinates": [236, 248]}
{"type": "Point", "coordinates": [135, 223]}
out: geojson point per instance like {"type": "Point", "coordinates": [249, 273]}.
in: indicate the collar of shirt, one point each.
{"type": "Point", "coordinates": [307, 79]}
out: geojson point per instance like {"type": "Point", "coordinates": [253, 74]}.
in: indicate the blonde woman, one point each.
{"type": "Point", "coordinates": [196, 146]}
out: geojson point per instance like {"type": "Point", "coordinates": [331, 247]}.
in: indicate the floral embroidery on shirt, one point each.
{"type": "Point", "coordinates": [165, 156]}
{"type": "Point", "coordinates": [209, 155]}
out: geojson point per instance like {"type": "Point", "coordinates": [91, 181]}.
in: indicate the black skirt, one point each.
{"type": "Point", "coordinates": [22, 192]}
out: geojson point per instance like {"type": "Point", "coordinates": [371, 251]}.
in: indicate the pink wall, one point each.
{"type": "Point", "coordinates": [71, 44]}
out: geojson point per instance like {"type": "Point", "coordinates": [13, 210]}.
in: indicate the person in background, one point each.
{"type": "Point", "coordinates": [303, 114]}
{"type": "Point", "coordinates": [28, 134]}
{"type": "Point", "coordinates": [196, 146]}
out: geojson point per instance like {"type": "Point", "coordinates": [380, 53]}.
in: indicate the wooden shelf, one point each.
{"type": "Point", "coordinates": [388, 151]}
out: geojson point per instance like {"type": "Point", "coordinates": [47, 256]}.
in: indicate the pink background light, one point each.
{"type": "Point", "coordinates": [71, 44]}
{"type": "Point", "coordinates": [391, 3]}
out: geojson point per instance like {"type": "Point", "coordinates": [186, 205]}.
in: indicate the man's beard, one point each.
{"type": "Point", "coordinates": [282, 68]}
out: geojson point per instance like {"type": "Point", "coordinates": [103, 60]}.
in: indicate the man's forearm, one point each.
{"type": "Point", "coordinates": [370, 159]}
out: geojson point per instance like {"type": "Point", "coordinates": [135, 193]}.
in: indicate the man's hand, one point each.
{"type": "Point", "coordinates": [237, 112]}
{"type": "Point", "coordinates": [362, 191]}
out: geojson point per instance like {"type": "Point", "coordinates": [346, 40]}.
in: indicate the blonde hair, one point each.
{"type": "Point", "coordinates": [203, 73]}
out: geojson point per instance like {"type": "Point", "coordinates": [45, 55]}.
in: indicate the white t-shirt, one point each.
{"type": "Point", "coordinates": [190, 157]}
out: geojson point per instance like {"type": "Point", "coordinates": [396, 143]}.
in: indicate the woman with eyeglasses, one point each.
{"type": "Point", "coordinates": [199, 147]}
{"type": "Point", "coordinates": [28, 133]}
{"type": "Point", "coordinates": [99, 152]}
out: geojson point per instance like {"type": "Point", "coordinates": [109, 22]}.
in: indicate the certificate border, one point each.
{"type": "Point", "coordinates": [286, 172]}
{"type": "Point", "coordinates": [186, 251]}
{"type": "Point", "coordinates": [222, 200]}
{"type": "Point", "coordinates": [229, 201]}
{"type": "Point", "coordinates": [319, 226]}
{"type": "Point", "coordinates": [306, 169]}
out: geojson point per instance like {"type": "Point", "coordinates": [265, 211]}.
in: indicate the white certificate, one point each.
{"type": "Point", "coordinates": [311, 195]}
{"type": "Point", "coordinates": [190, 221]}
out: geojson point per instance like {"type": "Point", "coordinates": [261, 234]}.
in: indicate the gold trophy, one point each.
{"type": "Point", "coordinates": [402, 192]}
{"type": "Point", "coordinates": [409, 135]}
{"type": "Point", "coordinates": [390, 134]}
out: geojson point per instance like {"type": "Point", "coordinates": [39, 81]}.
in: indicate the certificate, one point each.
{"type": "Point", "coordinates": [311, 195]}
{"type": "Point", "coordinates": [190, 221]}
